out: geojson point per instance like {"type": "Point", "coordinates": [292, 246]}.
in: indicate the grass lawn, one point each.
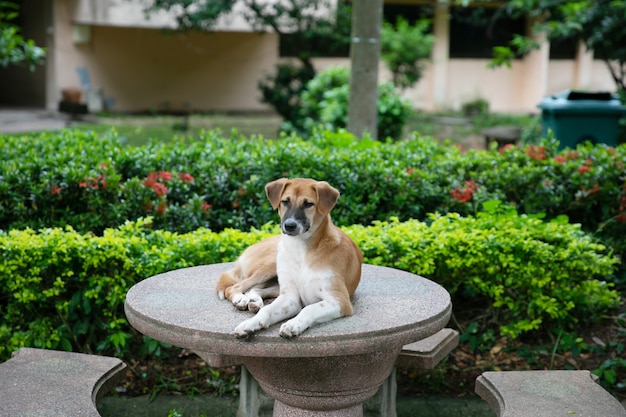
{"type": "Point", "coordinates": [139, 130]}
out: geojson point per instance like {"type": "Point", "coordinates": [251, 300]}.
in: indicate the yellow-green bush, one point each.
{"type": "Point", "coordinates": [65, 289]}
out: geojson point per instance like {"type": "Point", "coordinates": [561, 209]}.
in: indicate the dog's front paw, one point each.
{"type": "Point", "coordinates": [291, 329]}
{"type": "Point", "coordinates": [248, 327]}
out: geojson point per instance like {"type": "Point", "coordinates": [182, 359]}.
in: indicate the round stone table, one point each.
{"type": "Point", "coordinates": [330, 369]}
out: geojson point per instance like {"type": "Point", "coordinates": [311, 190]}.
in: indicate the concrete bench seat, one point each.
{"type": "Point", "coordinates": [546, 394]}
{"type": "Point", "coordinates": [502, 135]}
{"type": "Point", "coordinates": [427, 353]}
{"type": "Point", "coordinates": [39, 382]}
{"type": "Point", "coordinates": [423, 354]}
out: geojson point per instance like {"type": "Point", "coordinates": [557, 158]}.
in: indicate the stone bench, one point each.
{"type": "Point", "coordinates": [546, 394]}
{"type": "Point", "coordinates": [502, 135]}
{"type": "Point", "coordinates": [39, 382]}
{"type": "Point", "coordinates": [423, 354]}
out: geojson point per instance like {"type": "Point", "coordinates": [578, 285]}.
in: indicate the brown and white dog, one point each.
{"type": "Point", "coordinates": [318, 266]}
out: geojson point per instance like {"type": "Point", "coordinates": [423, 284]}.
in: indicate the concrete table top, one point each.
{"type": "Point", "coordinates": [391, 308]}
{"type": "Point", "coordinates": [330, 369]}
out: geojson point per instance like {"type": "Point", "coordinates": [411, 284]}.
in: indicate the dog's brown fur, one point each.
{"type": "Point", "coordinates": [314, 244]}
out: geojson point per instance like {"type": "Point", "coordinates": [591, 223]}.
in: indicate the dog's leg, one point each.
{"type": "Point", "coordinates": [250, 297]}
{"type": "Point", "coordinates": [320, 312]}
{"type": "Point", "coordinates": [257, 295]}
{"type": "Point", "coordinates": [227, 279]}
{"type": "Point", "coordinates": [285, 306]}
{"type": "Point", "coordinates": [252, 300]}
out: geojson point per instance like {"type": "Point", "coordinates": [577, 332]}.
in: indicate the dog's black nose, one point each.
{"type": "Point", "coordinates": [290, 226]}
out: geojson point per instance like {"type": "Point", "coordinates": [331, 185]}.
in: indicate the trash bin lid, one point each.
{"type": "Point", "coordinates": [583, 102]}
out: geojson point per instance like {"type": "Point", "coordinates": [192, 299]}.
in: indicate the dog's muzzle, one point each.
{"type": "Point", "coordinates": [293, 227]}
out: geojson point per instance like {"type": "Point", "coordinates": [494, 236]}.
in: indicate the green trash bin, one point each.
{"type": "Point", "coordinates": [576, 117]}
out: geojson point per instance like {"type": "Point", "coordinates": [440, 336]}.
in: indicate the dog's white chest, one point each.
{"type": "Point", "coordinates": [294, 272]}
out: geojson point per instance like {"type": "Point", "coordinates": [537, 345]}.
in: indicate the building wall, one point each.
{"type": "Point", "coordinates": [562, 76]}
{"type": "Point", "coordinates": [140, 68]}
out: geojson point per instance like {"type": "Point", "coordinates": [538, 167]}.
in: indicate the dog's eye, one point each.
{"type": "Point", "coordinates": [307, 204]}
{"type": "Point", "coordinates": [285, 202]}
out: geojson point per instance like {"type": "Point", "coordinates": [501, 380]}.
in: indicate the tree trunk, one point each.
{"type": "Point", "coordinates": [364, 57]}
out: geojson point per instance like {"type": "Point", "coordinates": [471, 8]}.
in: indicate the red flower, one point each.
{"type": "Point", "coordinates": [560, 159]}
{"type": "Point", "coordinates": [536, 152]}
{"type": "Point", "coordinates": [166, 176]}
{"type": "Point", "coordinates": [185, 177]}
{"type": "Point", "coordinates": [159, 188]}
{"type": "Point", "coordinates": [94, 183]}
{"type": "Point", "coordinates": [464, 194]}
{"type": "Point", "coordinates": [585, 193]}
{"type": "Point", "coordinates": [161, 175]}
{"type": "Point", "coordinates": [206, 206]}
{"type": "Point", "coordinates": [583, 168]}
{"type": "Point", "coordinates": [161, 207]}
{"type": "Point", "coordinates": [152, 181]}
{"type": "Point", "coordinates": [506, 147]}
{"type": "Point", "coordinates": [54, 190]}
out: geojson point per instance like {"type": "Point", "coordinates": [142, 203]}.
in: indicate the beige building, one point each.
{"type": "Point", "coordinates": [125, 62]}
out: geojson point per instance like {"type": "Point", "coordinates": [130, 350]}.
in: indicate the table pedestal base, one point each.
{"type": "Point", "coordinates": [322, 386]}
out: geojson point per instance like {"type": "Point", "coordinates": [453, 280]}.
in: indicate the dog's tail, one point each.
{"type": "Point", "coordinates": [227, 279]}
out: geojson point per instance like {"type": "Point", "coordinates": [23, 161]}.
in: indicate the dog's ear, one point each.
{"type": "Point", "coordinates": [327, 197]}
{"type": "Point", "coordinates": [274, 190]}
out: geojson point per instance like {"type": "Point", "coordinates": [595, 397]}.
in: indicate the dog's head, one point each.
{"type": "Point", "coordinates": [302, 203]}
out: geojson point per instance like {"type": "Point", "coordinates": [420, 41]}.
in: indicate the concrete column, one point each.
{"type": "Point", "coordinates": [583, 67]}
{"type": "Point", "coordinates": [364, 58]}
{"type": "Point", "coordinates": [441, 56]}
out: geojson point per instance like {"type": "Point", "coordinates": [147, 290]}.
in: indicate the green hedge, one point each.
{"type": "Point", "coordinates": [96, 182]}
{"type": "Point", "coordinates": [65, 289]}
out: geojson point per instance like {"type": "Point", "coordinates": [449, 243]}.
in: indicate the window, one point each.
{"type": "Point", "coordinates": [410, 13]}
{"type": "Point", "coordinates": [563, 48]}
{"type": "Point", "coordinates": [330, 39]}
{"type": "Point", "coordinates": [475, 31]}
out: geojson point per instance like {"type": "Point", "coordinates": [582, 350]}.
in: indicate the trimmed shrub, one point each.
{"type": "Point", "coordinates": [94, 182]}
{"type": "Point", "coordinates": [65, 289]}
{"type": "Point", "coordinates": [532, 275]}
{"type": "Point", "coordinates": [325, 102]}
